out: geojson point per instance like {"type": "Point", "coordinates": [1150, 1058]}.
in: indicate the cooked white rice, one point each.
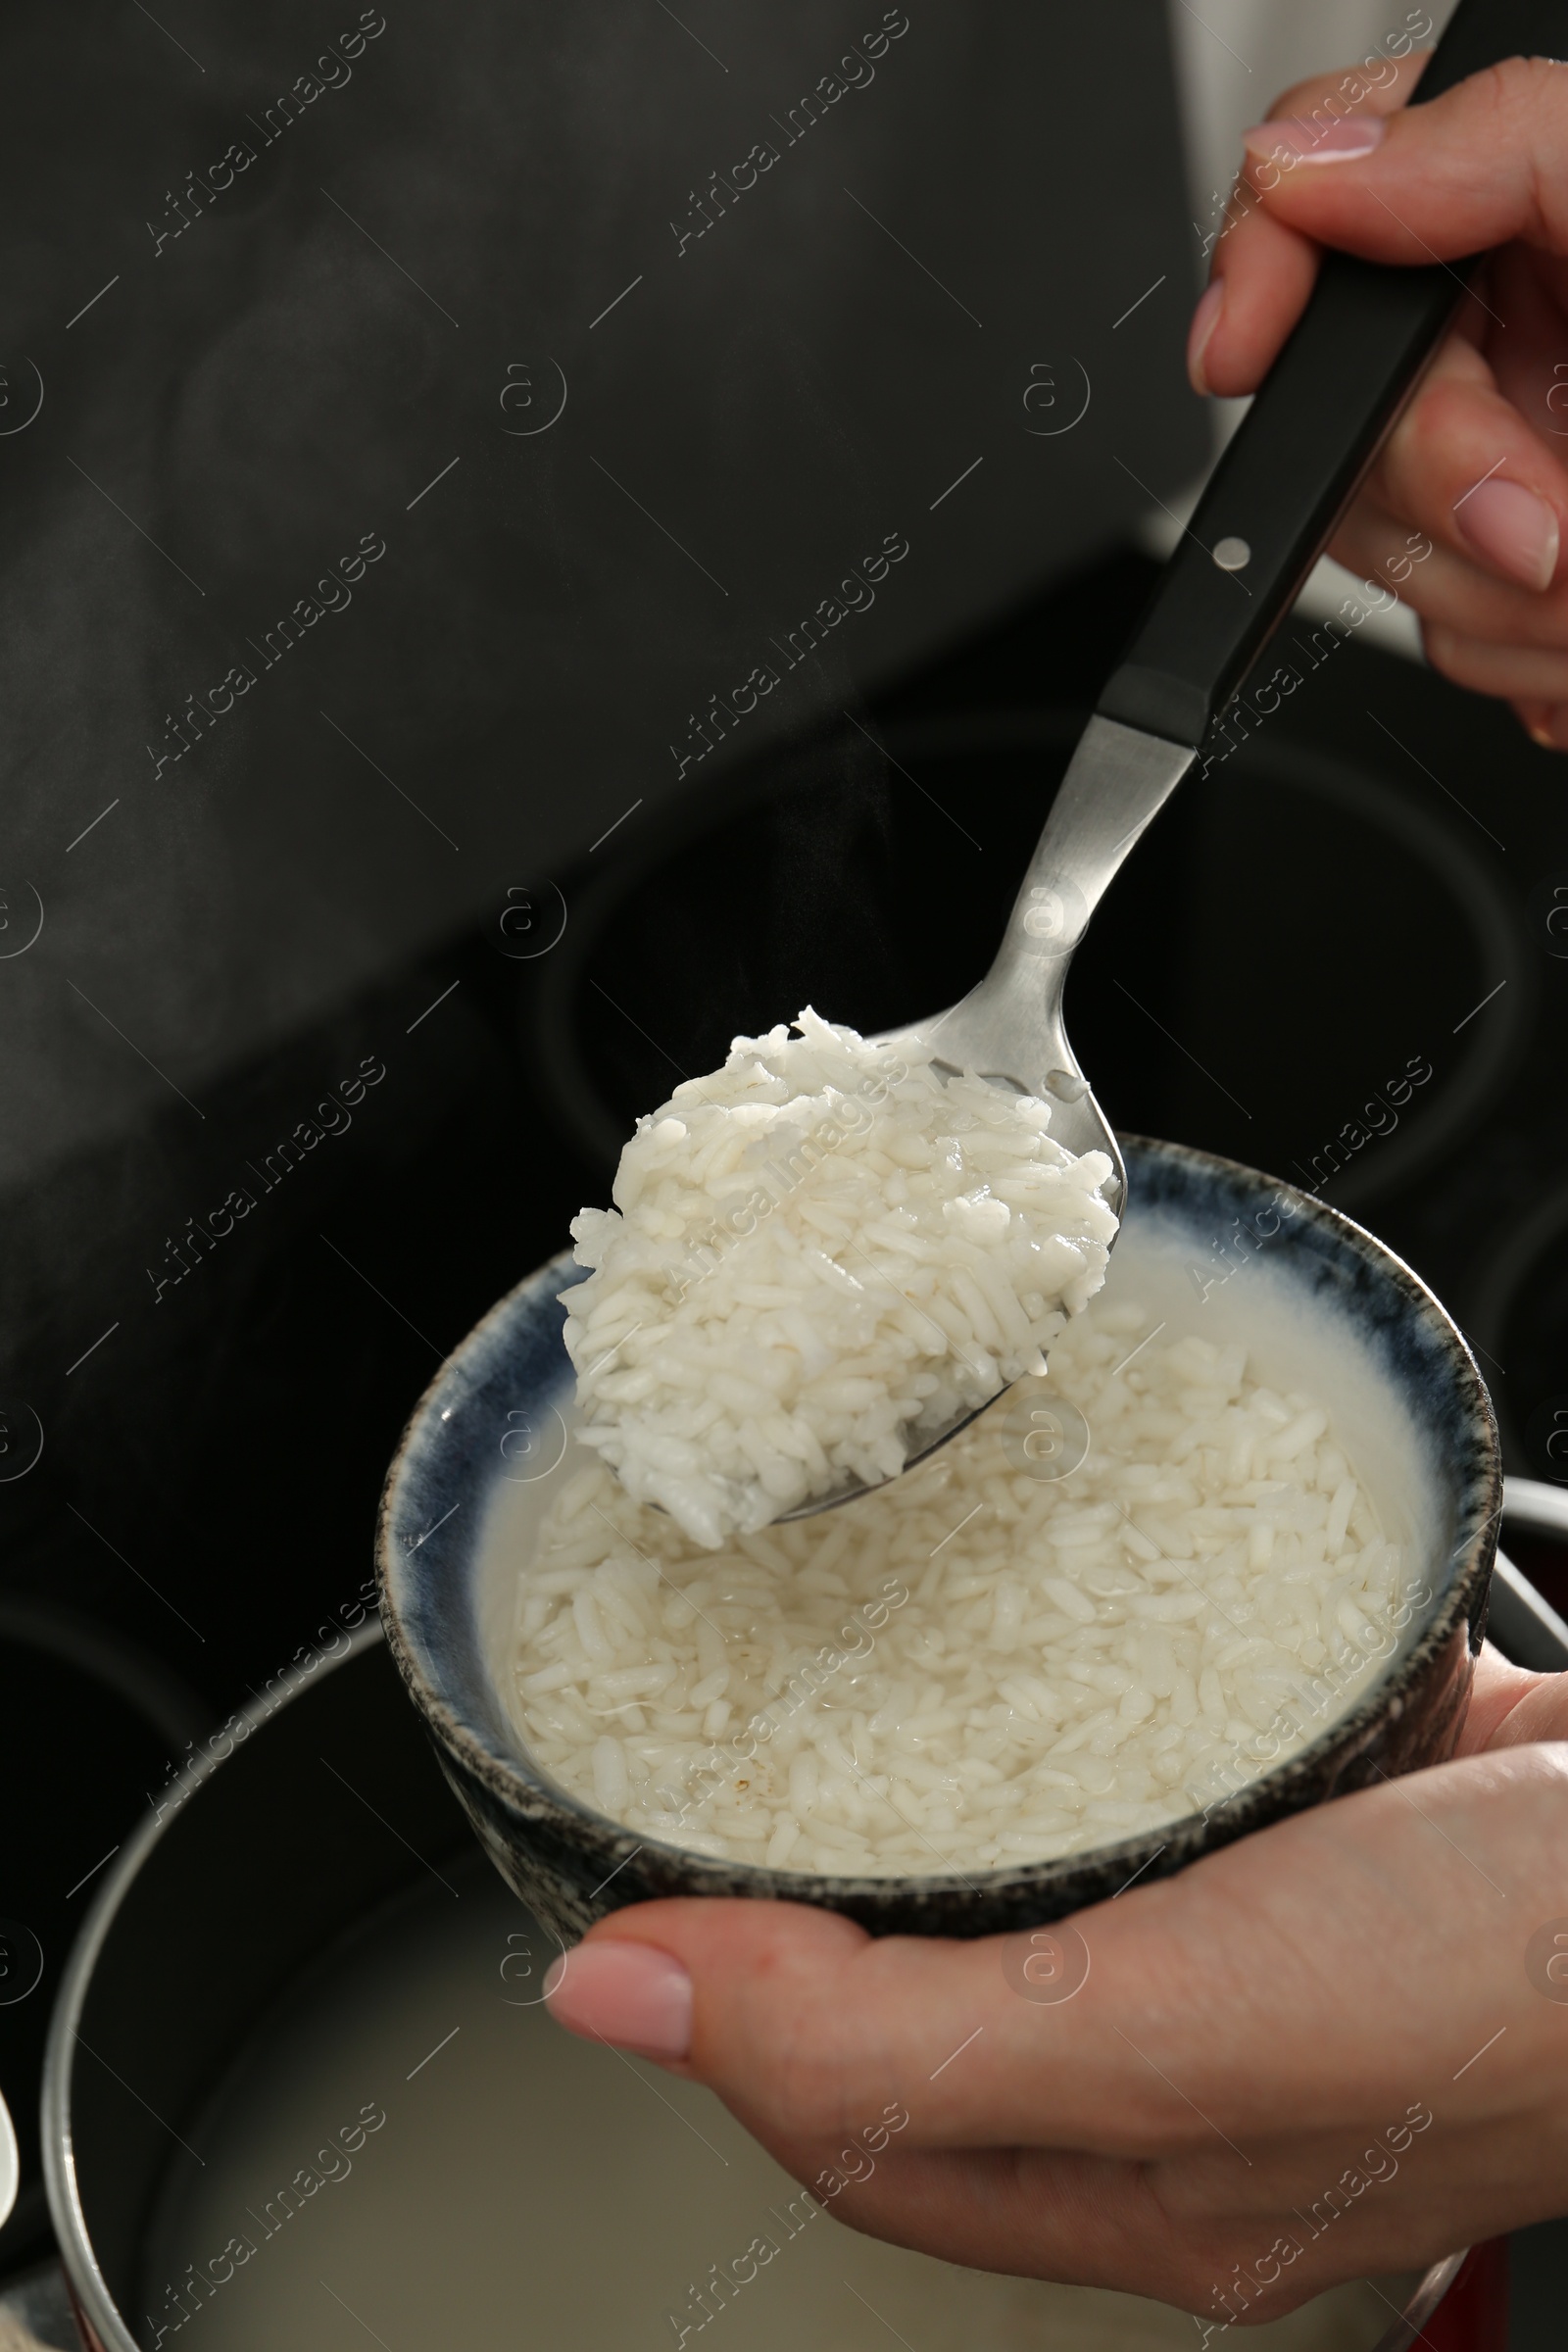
{"type": "Point", "coordinates": [976, 1666]}
{"type": "Point", "coordinates": [818, 1256]}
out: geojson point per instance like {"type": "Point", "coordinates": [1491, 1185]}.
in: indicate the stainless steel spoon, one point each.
{"type": "Point", "coordinates": [1009, 1029]}
{"type": "Point", "coordinates": [1270, 507]}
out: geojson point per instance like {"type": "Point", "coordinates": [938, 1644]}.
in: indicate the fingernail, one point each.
{"type": "Point", "coordinates": [1513, 530]}
{"type": "Point", "coordinates": [629, 1993]}
{"type": "Point", "coordinates": [1341, 143]}
{"type": "Point", "coordinates": [1204, 320]}
{"type": "Point", "coordinates": [1553, 733]}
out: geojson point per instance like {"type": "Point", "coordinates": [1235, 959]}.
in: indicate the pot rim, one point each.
{"type": "Point", "coordinates": [89, 2289]}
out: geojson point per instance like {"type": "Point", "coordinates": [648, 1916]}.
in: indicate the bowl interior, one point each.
{"type": "Point", "coordinates": [1207, 1247]}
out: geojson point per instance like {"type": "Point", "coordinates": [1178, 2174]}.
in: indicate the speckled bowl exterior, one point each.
{"type": "Point", "coordinates": [495, 1407]}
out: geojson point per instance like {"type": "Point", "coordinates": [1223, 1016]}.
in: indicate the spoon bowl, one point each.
{"type": "Point", "coordinates": [1009, 1030]}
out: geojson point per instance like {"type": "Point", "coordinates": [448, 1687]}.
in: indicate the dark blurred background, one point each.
{"type": "Point", "coordinates": [445, 836]}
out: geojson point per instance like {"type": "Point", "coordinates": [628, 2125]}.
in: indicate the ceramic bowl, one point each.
{"type": "Point", "coordinates": [1219, 1248]}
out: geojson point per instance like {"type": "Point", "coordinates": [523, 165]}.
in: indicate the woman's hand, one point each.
{"type": "Point", "coordinates": [1329, 2049]}
{"type": "Point", "coordinates": [1478, 459]}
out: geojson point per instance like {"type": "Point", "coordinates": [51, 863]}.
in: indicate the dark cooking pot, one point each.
{"type": "Point", "coordinates": [328, 1808]}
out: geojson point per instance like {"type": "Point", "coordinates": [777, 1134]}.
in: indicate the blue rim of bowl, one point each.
{"type": "Point", "coordinates": [1165, 1171]}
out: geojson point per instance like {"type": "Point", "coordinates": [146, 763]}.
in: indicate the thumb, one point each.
{"type": "Point", "coordinates": [1483, 165]}
{"type": "Point", "coordinates": [809, 2026]}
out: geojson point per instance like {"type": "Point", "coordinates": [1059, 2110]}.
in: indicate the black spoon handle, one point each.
{"type": "Point", "coordinates": [1293, 466]}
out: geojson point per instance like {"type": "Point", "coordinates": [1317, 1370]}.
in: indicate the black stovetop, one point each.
{"type": "Point", "coordinates": [1359, 894]}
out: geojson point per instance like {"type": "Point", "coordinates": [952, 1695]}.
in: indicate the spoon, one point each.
{"type": "Point", "coordinates": [1270, 507]}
